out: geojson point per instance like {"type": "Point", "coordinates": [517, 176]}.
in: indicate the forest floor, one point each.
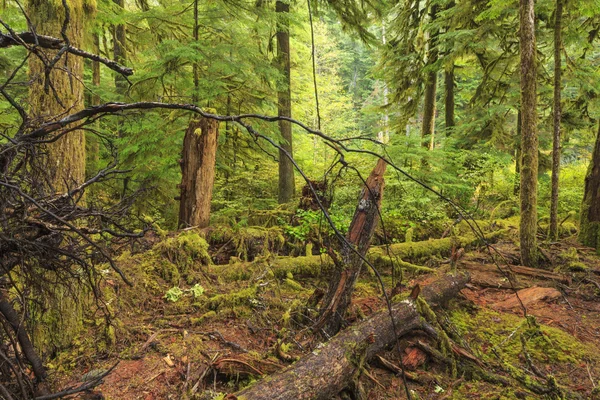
{"type": "Point", "coordinates": [244, 322]}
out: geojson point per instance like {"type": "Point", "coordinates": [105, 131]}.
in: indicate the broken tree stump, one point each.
{"type": "Point", "coordinates": [198, 172]}
{"type": "Point", "coordinates": [329, 369]}
{"type": "Point", "coordinates": [366, 216]}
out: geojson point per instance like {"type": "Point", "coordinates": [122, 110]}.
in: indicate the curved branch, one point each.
{"type": "Point", "coordinates": [52, 43]}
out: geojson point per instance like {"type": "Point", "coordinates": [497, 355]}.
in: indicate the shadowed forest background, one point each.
{"type": "Point", "coordinates": [396, 199]}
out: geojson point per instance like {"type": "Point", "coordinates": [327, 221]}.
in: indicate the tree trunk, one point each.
{"type": "Point", "coordinates": [428, 128]}
{"type": "Point", "coordinates": [325, 372]}
{"type": "Point", "coordinates": [119, 49]}
{"type": "Point", "coordinates": [589, 227]}
{"type": "Point", "coordinates": [198, 172]}
{"type": "Point", "coordinates": [449, 99]}
{"type": "Point", "coordinates": [359, 235]}
{"type": "Point", "coordinates": [61, 92]}
{"type": "Point", "coordinates": [284, 103]}
{"type": "Point", "coordinates": [557, 117]}
{"type": "Point", "coordinates": [517, 182]}
{"type": "Point", "coordinates": [529, 139]}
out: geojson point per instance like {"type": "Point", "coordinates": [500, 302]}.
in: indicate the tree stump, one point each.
{"type": "Point", "coordinates": [198, 172]}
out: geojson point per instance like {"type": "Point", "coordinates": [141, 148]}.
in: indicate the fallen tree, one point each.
{"type": "Point", "coordinates": [328, 370]}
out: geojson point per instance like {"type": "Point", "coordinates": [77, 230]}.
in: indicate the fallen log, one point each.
{"type": "Point", "coordinates": [329, 369]}
{"type": "Point", "coordinates": [518, 270]}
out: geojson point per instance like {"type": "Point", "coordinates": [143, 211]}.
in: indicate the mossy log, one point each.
{"type": "Point", "coordinates": [314, 266]}
{"type": "Point", "coordinates": [328, 370]}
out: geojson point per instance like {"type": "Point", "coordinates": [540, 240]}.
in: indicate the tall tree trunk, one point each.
{"type": "Point", "coordinates": [62, 92]}
{"type": "Point", "coordinates": [529, 139]}
{"type": "Point", "coordinates": [348, 268]}
{"type": "Point", "coordinates": [120, 49]}
{"type": "Point", "coordinates": [428, 128]}
{"type": "Point", "coordinates": [589, 226]}
{"type": "Point", "coordinates": [195, 70]}
{"type": "Point", "coordinates": [284, 103]}
{"type": "Point", "coordinates": [198, 172]}
{"type": "Point", "coordinates": [449, 99]}
{"type": "Point", "coordinates": [557, 118]}
{"type": "Point", "coordinates": [517, 181]}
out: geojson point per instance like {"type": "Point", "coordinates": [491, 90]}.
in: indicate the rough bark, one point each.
{"type": "Point", "coordinates": [556, 120]}
{"type": "Point", "coordinates": [284, 104]}
{"type": "Point", "coordinates": [325, 372]}
{"type": "Point", "coordinates": [529, 139]}
{"type": "Point", "coordinates": [449, 99]}
{"type": "Point", "coordinates": [589, 226]}
{"type": "Point", "coordinates": [517, 182]}
{"type": "Point", "coordinates": [62, 92]}
{"type": "Point", "coordinates": [362, 227]}
{"type": "Point", "coordinates": [198, 172]}
{"type": "Point", "coordinates": [428, 128]}
{"type": "Point", "coordinates": [119, 49]}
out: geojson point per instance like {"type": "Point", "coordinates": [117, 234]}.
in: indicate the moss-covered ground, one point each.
{"type": "Point", "coordinates": [191, 328]}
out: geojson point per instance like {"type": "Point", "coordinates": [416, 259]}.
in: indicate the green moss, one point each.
{"type": "Point", "coordinates": [570, 258]}
{"type": "Point", "coordinates": [502, 331]}
{"type": "Point", "coordinates": [242, 297]}
{"type": "Point", "coordinates": [292, 284]}
{"type": "Point", "coordinates": [203, 318]}
{"type": "Point", "coordinates": [184, 250]}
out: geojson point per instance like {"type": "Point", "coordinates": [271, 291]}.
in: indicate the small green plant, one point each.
{"type": "Point", "coordinates": [176, 293]}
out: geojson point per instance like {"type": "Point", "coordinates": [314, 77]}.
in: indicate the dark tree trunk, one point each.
{"type": "Point", "coordinates": [589, 227]}
{"type": "Point", "coordinates": [359, 236]}
{"type": "Point", "coordinates": [428, 128]}
{"type": "Point", "coordinates": [529, 139]}
{"type": "Point", "coordinates": [119, 49]}
{"type": "Point", "coordinates": [324, 373]}
{"type": "Point", "coordinates": [198, 172]}
{"type": "Point", "coordinates": [557, 117]}
{"type": "Point", "coordinates": [284, 103]}
{"type": "Point", "coordinates": [449, 99]}
{"type": "Point", "coordinates": [517, 182]}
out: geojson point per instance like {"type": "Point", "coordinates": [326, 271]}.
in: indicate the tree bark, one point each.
{"type": "Point", "coordinates": [359, 236]}
{"type": "Point", "coordinates": [589, 226]}
{"type": "Point", "coordinates": [119, 49]}
{"type": "Point", "coordinates": [428, 128]}
{"type": "Point", "coordinates": [449, 100]}
{"type": "Point", "coordinates": [62, 92]}
{"type": "Point", "coordinates": [325, 372]}
{"type": "Point", "coordinates": [198, 172]}
{"type": "Point", "coordinates": [557, 117]}
{"type": "Point", "coordinates": [517, 182]}
{"type": "Point", "coordinates": [529, 139]}
{"type": "Point", "coordinates": [284, 103]}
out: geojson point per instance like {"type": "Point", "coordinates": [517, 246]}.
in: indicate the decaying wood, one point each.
{"type": "Point", "coordinates": [362, 227]}
{"type": "Point", "coordinates": [520, 270]}
{"type": "Point", "coordinates": [528, 297]}
{"type": "Point", "coordinates": [198, 172]}
{"type": "Point", "coordinates": [329, 369]}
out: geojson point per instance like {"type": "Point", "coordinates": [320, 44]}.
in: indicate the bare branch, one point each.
{"type": "Point", "coordinates": [53, 43]}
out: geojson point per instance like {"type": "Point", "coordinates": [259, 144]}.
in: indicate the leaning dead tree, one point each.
{"type": "Point", "coordinates": [348, 266]}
